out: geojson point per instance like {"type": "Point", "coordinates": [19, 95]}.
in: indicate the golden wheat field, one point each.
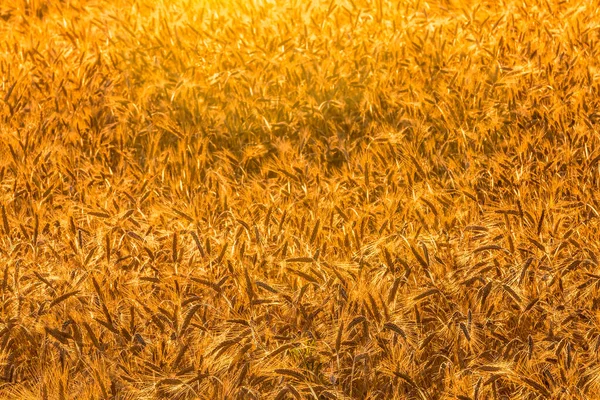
{"type": "Point", "coordinates": [269, 199]}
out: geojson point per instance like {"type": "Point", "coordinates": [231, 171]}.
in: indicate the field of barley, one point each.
{"type": "Point", "coordinates": [299, 199]}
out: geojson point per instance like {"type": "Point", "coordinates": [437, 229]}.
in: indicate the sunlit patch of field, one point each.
{"type": "Point", "coordinates": [205, 199]}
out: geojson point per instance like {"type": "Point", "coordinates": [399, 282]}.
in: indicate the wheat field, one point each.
{"type": "Point", "coordinates": [270, 199]}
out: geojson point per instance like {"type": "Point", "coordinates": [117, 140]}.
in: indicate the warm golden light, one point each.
{"type": "Point", "coordinates": [269, 199]}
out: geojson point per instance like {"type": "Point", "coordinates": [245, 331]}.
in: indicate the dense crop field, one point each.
{"type": "Point", "coordinates": [299, 199]}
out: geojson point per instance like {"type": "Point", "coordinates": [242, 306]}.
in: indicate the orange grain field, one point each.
{"type": "Point", "coordinates": [272, 199]}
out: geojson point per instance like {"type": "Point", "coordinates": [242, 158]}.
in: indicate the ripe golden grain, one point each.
{"type": "Point", "coordinates": [299, 199]}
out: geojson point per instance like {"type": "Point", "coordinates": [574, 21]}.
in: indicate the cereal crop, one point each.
{"type": "Point", "coordinates": [296, 199]}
